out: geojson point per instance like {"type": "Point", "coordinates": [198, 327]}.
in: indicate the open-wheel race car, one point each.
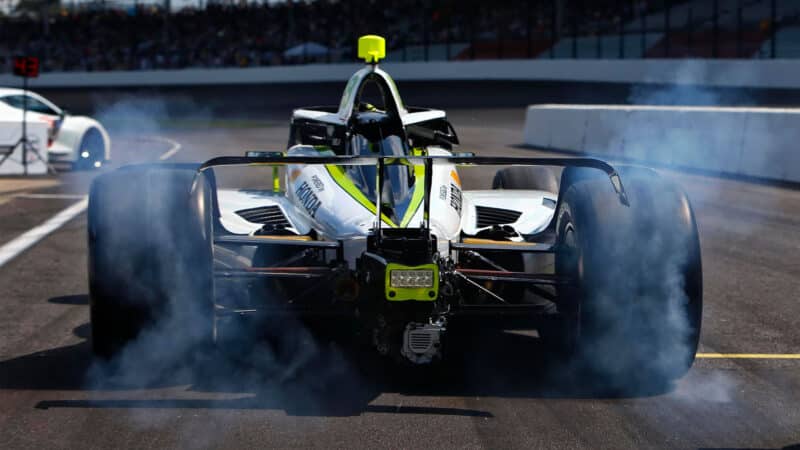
{"type": "Point", "coordinates": [363, 223]}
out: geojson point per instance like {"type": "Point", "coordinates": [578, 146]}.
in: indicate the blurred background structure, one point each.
{"type": "Point", "coordinates": [111, 35]}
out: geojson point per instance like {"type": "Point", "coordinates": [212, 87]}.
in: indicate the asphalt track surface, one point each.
{"type": "Point", "coordinates": [505, 398]}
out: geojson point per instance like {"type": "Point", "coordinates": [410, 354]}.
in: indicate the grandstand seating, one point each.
{"type": "Point", "coordinates": [135, 38]}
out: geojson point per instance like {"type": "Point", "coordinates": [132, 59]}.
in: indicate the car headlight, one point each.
{"type": "Point", "coordinates": [399, 278]}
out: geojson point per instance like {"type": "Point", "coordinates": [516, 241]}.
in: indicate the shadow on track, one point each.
{"type": "Point", "coordinates": [492, 363]}
{"type": "Point", "coordinates": [81, 299]}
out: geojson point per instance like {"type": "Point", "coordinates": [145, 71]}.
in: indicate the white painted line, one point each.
{"type": "Point", "coordinates": [175, 147]}
{"type": "Point", "coordinates": [34, 235]}
{"type": "Point", "coordinates": [51, 196]}
{"type": "Point", "coordinates": [26, 240]}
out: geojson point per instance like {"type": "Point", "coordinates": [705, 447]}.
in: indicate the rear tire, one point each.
{"type": "Point", "coordinates": [526, 177]}
{"type": "Point", "coordinates": [633, 316]}
{"type": "Point", "coordinates": [150, 257]}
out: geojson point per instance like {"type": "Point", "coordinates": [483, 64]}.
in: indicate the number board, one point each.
{"type": "Point", "coordinates": [26, 66]}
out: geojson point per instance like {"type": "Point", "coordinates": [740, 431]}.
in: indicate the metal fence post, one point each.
{"type": "Point", "coordinates": [598, 44]}
{"type": "Point", "coordinates": [667, 7]}
{"type": "Point", "coordinates": [773, 28]}
{"type": "Point", "coordinates": [739, 29]}
{"type": "Point", "coordinates": [574, 27]}
{"type": "Point", "coordinates": [472, 32]}
{"type": "Point", "coordinates": [329, 43]}
{"type": "Point", "coordinates": [689, 30]}
{"type": "Point", "coordinates": [425, 31]}
{"type": "Point", "coordinates": [715, 29]}
{"type": "Point", "coordinates": [447, 37]}
{"type": "Point", "coordinates": [499, 24]}
{"type": "Point", "coordinates": [621, 30]}
{"type": "Point", "coordinates": [305, 45]}
{"type": "Point", "coordinates": [644, 35]}
{"type": "Point", "coordinates": [553, 35]}
{"type": "Point", "coordinates": [529, 49]}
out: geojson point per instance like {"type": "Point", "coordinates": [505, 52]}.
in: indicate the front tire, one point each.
{"type": "Point", "coordinates": [91, 153]}
{"type": "Point", "coordinates": [535, 178]}
{"type": "Point", "coordinates": [633, 313]}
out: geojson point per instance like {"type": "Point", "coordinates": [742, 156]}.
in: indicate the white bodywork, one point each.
{"type": "Point", "coordinates": [65, 131]}
{"type": "Point", "coordinates": [346, 104]}
{"type": "Point", "coordinates": [313, 199]}
{"type": "Point", "coordinates": [319, 198]}
{"type": "Point", "coordinates": [536, 208]}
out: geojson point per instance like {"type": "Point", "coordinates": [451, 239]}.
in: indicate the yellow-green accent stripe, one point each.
{"type": "Point", "coordinates": [417, 196]}
{"type": "Point", "coordinates": [338, 175]}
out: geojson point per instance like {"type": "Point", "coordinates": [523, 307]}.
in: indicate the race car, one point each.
{"type": "Point", "coordinates": [79, 141]}
{"type": "Point", "coordinates": [363, 224]}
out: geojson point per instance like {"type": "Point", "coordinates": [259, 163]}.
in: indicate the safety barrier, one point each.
{"type": "Point", "coordinates": [777, 73]}
{"type": "Point", "coordinates": [752, 142]}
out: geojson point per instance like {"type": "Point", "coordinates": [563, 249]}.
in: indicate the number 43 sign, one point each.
{"type": "Point", "coordinates": [26, 66]}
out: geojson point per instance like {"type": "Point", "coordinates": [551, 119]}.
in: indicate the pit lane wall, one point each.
{"type": "Point", "coordinates": [768, 74]}
{"type": "Point", "coordinates": [740, 141]}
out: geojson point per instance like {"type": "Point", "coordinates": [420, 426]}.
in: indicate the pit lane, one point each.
{"type": "Point", "coordinates": [750, 236]}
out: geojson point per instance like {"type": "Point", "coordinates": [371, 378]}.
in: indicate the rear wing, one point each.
{"type": "Point", "coordinates": [276, 160]}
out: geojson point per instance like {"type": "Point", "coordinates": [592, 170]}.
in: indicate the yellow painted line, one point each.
{"type": "Point", "coordinates": [748, 355]}
{"type": "Point", "coordinates": [278, 237]}
{"type": "Point", "coordinates": [493, 242]}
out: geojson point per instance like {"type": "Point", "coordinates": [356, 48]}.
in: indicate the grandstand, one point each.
{"type": "Point", "coordinates": [105, 36]}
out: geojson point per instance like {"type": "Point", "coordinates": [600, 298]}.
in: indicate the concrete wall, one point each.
{"type": "Point", "coordinates": [752, 142]}
{"type": "Point", "coordinates": [772, 74]}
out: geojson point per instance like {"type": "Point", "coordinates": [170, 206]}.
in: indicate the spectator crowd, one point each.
{"type": "Point", "coordinates": [140, 37]}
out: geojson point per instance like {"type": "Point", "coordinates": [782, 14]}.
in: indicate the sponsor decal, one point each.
{"type": "Point", "coordinates": [317, 183]}
{"type": "Point", "coordinates": [442, 193]}
{"type": "Point", "coordinates": [305, 194]}
{"type": "Point", "coordinates": [454, 176]}
{"type": "Point", "coordinates": [455, 198]}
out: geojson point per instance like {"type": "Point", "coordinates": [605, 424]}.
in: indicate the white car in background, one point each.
{"type": "Point", "coordinates": [78, 140]}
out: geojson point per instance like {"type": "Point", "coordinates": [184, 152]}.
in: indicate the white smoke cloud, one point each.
{"type": "Point", "coordinates": [704, 386]}
{"type": "Point", "coordinates": [292, 367]}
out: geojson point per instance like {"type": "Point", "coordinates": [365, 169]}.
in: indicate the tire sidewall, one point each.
{"type": "Point", "coordinates": [150, 258]}
{"type": "Point", "coordinates": [625, 309]}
